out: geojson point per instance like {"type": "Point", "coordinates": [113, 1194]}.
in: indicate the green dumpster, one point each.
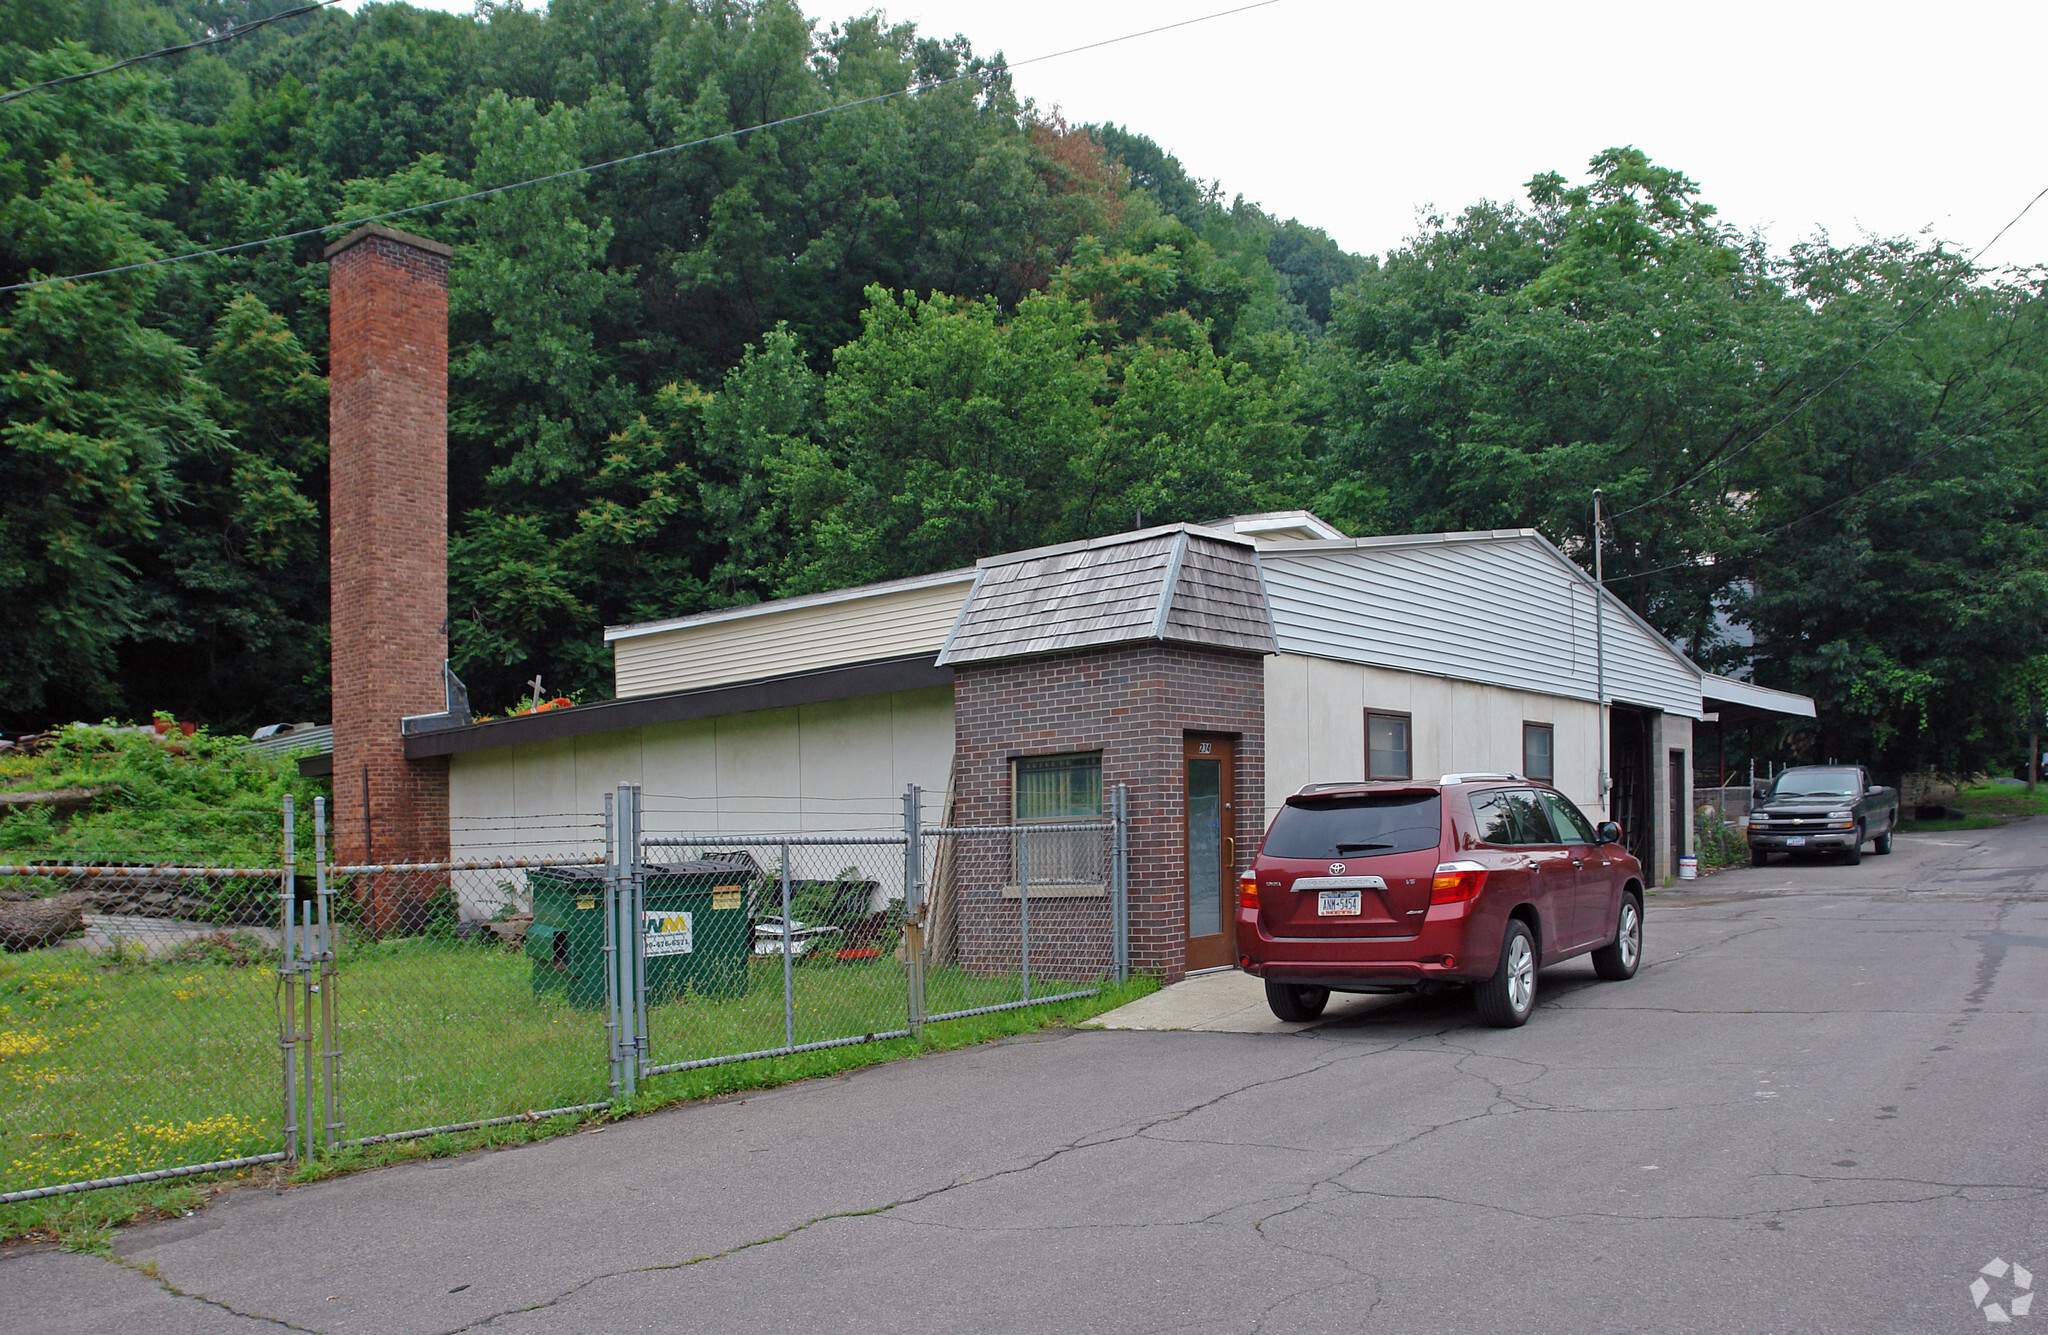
{"type": "Point", "coordinates": [565, 944]}
{"type": "Point", "coordinates": [698, 930]}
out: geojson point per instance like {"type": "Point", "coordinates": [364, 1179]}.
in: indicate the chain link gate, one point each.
{"type": "Point", "coordinates": [140, 1017]}
{"type": "Point", "coordinates": [808, 941]}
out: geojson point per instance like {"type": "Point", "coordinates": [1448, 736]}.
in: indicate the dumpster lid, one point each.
{"type": "Point", "coordinates": [579, 872]}
{"type": "Point", "coordinates": [688, 867]}
{"type": "Point", "coordinates": [700, 867]}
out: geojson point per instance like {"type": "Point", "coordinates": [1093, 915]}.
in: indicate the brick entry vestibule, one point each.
{"type": "Point", "coordinates": [1135, 704]}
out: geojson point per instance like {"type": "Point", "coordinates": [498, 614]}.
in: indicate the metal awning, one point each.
{"type": "Point", "coordinates": [1743, 702]}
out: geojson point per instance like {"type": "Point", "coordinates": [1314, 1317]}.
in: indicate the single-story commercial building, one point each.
{"type": "Point", "coordinates": [1211, 669]}
{"type": "Point", "coordinates": [1205, 666]}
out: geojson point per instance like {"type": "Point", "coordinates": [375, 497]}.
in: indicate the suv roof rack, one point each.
{"type": "Point", "coordinates": [1328, 787]}
{"type": "Point", "coordinates": [1478, 776]}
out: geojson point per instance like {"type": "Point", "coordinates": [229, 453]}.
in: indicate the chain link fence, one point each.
{"type": "Point", "coordinates": [172, 1019]}
{"type": "Point", "coordinates": [1019, 915]}
{"type": "Point", "coordinates": [760, 946]}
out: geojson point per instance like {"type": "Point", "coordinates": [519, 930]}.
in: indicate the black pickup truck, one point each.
{"type": "Point", "coordinates": [1823, 809]}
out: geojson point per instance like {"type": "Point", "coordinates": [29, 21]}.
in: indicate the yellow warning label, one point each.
{"type": "Point", "coordinates": [725, 897]}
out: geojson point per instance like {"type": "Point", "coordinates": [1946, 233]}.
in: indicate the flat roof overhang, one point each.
{"type": "Point", "coordinates": [805, 688]}
{"type": "Point", "coordinates": [1741, 703]}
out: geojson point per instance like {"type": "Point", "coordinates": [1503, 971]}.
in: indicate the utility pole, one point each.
{"type": "Point", "coordinates": [1600, 643]}
{"type": "Point", "coordinates": [2034, 737]}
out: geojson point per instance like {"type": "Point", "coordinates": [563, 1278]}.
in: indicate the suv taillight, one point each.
{"type": "Point", "coordinates": [1248, 889]}
{"type": "Point", "coordinates": [1456, 882]}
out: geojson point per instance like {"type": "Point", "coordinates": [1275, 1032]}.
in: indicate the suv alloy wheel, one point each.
{"type": "Point", "coordinates": [1618, 959]}
{"type": "Point", "coordinates": [1506, 999]}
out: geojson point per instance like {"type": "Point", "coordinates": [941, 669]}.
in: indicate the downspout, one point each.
{"type": "Point", "coordinates": [1600, 646]}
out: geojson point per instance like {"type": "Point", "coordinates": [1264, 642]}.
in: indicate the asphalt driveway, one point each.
{"type": "Point", "coordinates": [1819, 1107]}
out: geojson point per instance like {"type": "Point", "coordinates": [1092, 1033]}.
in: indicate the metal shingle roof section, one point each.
{"type": "Point", "coordinates": [1219, 599]}
{"type": "Point", "coordinates": [1178, 583]}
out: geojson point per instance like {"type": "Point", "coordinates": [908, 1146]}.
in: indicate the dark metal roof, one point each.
{"type": "Point", "coordinates": [807, 688]}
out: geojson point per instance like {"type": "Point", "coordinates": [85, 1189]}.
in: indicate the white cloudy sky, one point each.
{"type": "Point", "coordinates": [1793, 115]}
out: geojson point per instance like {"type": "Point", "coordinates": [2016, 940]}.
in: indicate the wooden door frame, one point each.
{"type": "Point", "coordinates": [1224, 952]}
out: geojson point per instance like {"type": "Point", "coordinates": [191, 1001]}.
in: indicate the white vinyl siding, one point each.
{"type": "Point", "coordinates": [808, 636]}
{"type": "Point", "coordinates": [1501, 609]}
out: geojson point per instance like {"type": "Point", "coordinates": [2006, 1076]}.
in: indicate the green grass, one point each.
{"type": "Point", "coordinates": [115, 1066]}
{"type": "Point", "coordinates": [1988, 805]}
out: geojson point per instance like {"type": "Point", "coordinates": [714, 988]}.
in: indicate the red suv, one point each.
{"type": "Point", "coordinates": [1476, 879]}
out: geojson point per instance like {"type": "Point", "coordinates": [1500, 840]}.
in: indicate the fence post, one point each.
{"type": "Point", "coordinates": [913, 906]}
{"type": "Point", "coordinates": [308, 953]}
{"type": "Point", "coordinates": [1024, 908]}
{"type": "Point", "coordinates": [287, 1037]}
{"type": "Point", "coordinates": [788, 943]}
{"type": "Point", "coordinates": [1119, 882]}
{"type": "Point", "coordinates": [639, 934]}
{"type": "Point", "coordinates": [618, 927]}
{"type": "Point", "coordinates": [329, 1052]}
{"type": "Point", "coordinates": [609, 950]}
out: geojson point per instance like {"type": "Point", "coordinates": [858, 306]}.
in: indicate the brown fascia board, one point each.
{"type": "Point", "coordinates": [316, 767]}
{"type": "Point", "coordinates": [808, 688]}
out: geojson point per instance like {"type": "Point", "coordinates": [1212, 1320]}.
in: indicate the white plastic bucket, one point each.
{"type": "Point", "coordinates": [1688, 867]}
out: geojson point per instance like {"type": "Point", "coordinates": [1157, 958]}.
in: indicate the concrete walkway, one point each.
{"type": "Point", "coordinates": [1225, 1001]}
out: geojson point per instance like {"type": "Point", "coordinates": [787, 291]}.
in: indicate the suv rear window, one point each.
{"type": "Point", "coordinates": [1371, 825]}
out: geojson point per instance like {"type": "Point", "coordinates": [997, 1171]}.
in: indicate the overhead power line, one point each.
{"type": "Point", "coordinates": [1805, 400]}
{"type": "Point", "coordinates": [631, 157]}
{"type": "Point", "coordinates": [215, 40]}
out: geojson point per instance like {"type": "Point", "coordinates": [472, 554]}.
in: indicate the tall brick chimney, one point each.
{"type": "Point", "coordinates": [387, 416]}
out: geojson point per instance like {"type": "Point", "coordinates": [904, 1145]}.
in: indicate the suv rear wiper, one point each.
{"type": "Point", "coordinates": [1341, 847]}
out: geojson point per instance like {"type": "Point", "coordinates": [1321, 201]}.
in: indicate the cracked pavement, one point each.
{"type": "Point", "coordinates": [1818, 1107]}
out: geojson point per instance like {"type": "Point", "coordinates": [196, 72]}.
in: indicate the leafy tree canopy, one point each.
{"type": "Point", "coordinates": [913, 332]}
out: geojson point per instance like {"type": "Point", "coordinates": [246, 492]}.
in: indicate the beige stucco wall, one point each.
{"type": "Point", "coordinates": [833, 767]}
{"type": "Point", "coordinates": [1315, 733]}
{"type": "Point", "coordinates": [1315, 726]}
{"type": "Point", "coordinates": [1672, 733]}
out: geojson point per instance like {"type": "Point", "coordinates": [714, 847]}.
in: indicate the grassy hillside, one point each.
{"type": "Point", "coordinates": [197, 799]}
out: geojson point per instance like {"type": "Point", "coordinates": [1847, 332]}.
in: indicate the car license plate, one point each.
{"type": "Point", "coordinates": [1796, 841]}
{"type": "Point", "coordinates": [1339, 903]}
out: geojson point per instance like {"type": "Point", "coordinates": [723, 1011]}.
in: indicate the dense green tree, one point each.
{"type": "Point", "coordinates": [98, 408]}
{"type": "Point", "coordinates": [806, 349]}
{"type": "Point", "coordinates": [1825, 468]}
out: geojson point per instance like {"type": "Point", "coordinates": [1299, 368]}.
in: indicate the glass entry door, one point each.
{"type": "Point", "coordinates": [1211, 805]}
